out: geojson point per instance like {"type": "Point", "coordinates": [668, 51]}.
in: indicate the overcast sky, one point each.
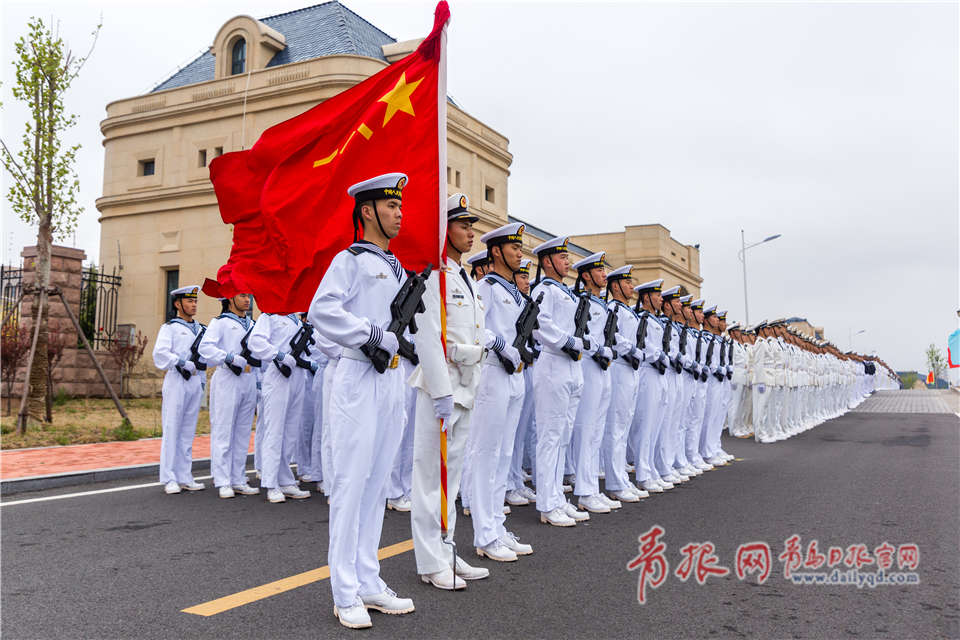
{"type": "Point", "coordinates": [832, 124]}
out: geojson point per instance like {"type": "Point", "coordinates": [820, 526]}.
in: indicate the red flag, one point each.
{"type": "Point", "coordinates": [287, 196]}
{"type": "Point", "coordinates": [930, 379]}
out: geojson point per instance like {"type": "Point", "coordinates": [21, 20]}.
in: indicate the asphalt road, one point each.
{"type": "Point", "coordinates": [124, 564]}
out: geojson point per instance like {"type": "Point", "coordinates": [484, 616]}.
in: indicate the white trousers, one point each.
{"type": "Point", "coordinates": [695, 421]}
{"type": "Point", "coordinates": [588, 427]}
{"type": "Point", "coordinates": [282, 405]}
{"type": "Point", "coordinates": [304, 453]}
{"type": "Point", "coordinates": [557, 385]}
{"type": "Point", "coordinates": [326, 448]}
{"type": "Point", "coordinates": [664, 452]}
{"type": "Point", "coordinates": [401, 477]}
{"type": "Point", "coordinates": [367, 416]}
{"type": "Point", "coordinates": [686, 390]}
{"type": "Point", "coordinates": [624, 383]}
{"type": "Point", "coordinates": [714, 404]}
{"type": "Point", "coordinates": [178, 416]}
{"type": "Point", "coordinates": [763, 426]}
{"type": "Point", "coordinates": [651, 403]}
{"type": "Point", "coordinates": [233, 399]}
{"type": "Point", "coordinates": [524, 426]}
{"type": "Point", "coordinates": [431, 554]}
{"type": "Point", "coordinates": [496, 413]}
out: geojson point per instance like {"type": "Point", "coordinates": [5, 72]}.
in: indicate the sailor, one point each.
{"type": "Point", "coordinates": [591, 418]}
{"type": "Point", "coordinates": [687, 383]}
{"type": "Point", "coordinates": [499, 398]}
{"type": "Point", "coordinates": [764, 382]}
{"type": "Point", "coordinates": [479, 265]}
{"type": "Point", "coordinates": [714, 402]}
{"type": "Point", "coordinates": [738, 385]}
{"type": "Point", "coordinates": [652, 393]}
{"type": "Point", "coordinates": [233, 394]}
{"type": "Point", "coordinates": [518, 493]}
{"type": "Point", "coordinates": [284, 378]}
{"type": "Point", "coordinates": [668, 432]}
{"type": "Point", "coordinates": [182, 390]}
{"type": "Point", "coordinates": [446, 383]}
{"type": "Point", "coordinates": [352, 308]}
{"type": "Point", "coordinates": [693, 316]}
{"type": "Point", "coordinates": [624, 383]}
{"type": "Point", "coordinates": [714, 451]}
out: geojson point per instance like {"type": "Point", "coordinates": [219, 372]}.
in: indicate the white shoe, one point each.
{"type": "Point", "coordinates": [652, 486]}
{"type": "Point", "coordinates": [666, 485]}
{"type": "Point", "coordinates": [353, 617]}
{"type": "Point", "coordinates": [307, 478]}
{"type": "Point", "coordinates": [401, 504]}
{"type": "Point", "coordinates": [388, 602]}
{"type": "Point", "coordinates": [516, 499]}
{"type": "Point", "coordinates": [193, 486]}
{"type": "Point", "coordinates": [275, 495]}
{"type": "Point", "coordinates": [690, 471]}
{"type": "Point", "coordinates": [640, 493]}
{"type": "Point", "coordinates": [613, 504]}
{"type": "Point", "coordinates": [506, 509]}
{"type": "Point", "coordinates": [528, 493]}
{"type": "Point", "coordinates": [469, 572]}
{"type": "Point", "coordinates": [171, 488]}
{"type": "Point", "coordinates": [703, 466]}
{"type": "Point", "coordinates": [558, 518]}
{"type": "Point", "coordinates": [226, 492]}
{"type": "Point", "coordinates": [295, 492]}
{"type": "Point", "coordinates": [444, 580]}
{"type": "Point", "coordinates": [526, 477]}
{"type": "Point", "coordinates": [716, 461]}
{"type": "Point", "coordinates": [498, 551]}
{"type": "Point", "coordinates": [626, 496]}
{"type": "Point", "coordinates": [672, 478]}
{"type": "Point", "coordinates": [573, 512]}
{"type": "Point", "coordinates": [593, 504]}
{"type": "Point", "coordinates": [245, 489]}
{"type": "Point", "coordinates": [510, 541]}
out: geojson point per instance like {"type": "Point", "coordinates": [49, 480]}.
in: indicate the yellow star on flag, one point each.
{"type": "Point", "coordinates": [398, 98]}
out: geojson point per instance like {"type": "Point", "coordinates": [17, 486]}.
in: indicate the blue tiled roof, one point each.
{"type": "Point", "coordinates": [321, 30]}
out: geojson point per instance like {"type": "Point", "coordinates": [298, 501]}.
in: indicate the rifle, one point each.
{"type": "Point", "coordinates": [609, 339]}
{"type": "Point", "coordinates": [642, 342]}
{"type": "Point", "coordinates": [581, 329]}
{"type": "Point", "coordinates": [299, 344]}
{"type": "Point", "coordinates": [730, 359]}
{"type": "Point", "coordinates": [703, 376]}
{"type": "Point", "coordinates": [245, 354]}
{"type": "Point", "coordinates": [699, 376]}
{"type": "Point", "coordinates": [632, 360]}
{"type": "Point", "coordinates": [667, 334]}
{"type": "Point", "coordinates": [194, 355]}
{"type": "Point", "coordinates": [677, 364]}
{"type": "Point", "coordinates": [526, 323]}
{"type": "Point", "coordinates": [405, 305]}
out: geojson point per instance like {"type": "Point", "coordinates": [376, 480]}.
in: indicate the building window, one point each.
{"type": "Point", "coordinates": [172, 281]}
{"type": "Point", "coordinates": [238, 57]}
{"type": "Point", "coordinates": [449, 175]}
{"type": "Point", "coordinates": [146, 167]}
{"type": "Point", "coordinates": [456, 178]}
{"type": "Point", "coordinates": [202, 158]}
{"type": "Point", "coordinates": [489, 194]}
{"type": "Point", "coordinates": [217, 152]}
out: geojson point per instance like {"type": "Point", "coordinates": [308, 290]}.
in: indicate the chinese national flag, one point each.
{"type": "Point", "coordinates": [287, 198]}
{"type": "Point", "coordinates": [930, 379]}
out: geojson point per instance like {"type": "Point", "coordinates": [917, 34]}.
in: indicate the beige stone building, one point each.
{"type": "Point", "coordinates": [160, 226]}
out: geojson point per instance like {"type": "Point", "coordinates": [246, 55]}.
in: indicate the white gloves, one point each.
{"type": "Point", "coordinates": [623, 346]}
{"type": "Point", "coordinates": [510, 353]}
{"type": "Point", "coordinates": [605, 352]}
{"type": "Point", "coordinates": [189, 367]}
{"type": "Point", "coordinates": [288, 360]}
{"type": "Point", "coordinates": [238, 361]}
{"type": "Point", "coordinates": [389, 343]}
{"type": "Point", "coordinates": [575, 343]}
{"type": "Point", "coordinates": [443, 407]}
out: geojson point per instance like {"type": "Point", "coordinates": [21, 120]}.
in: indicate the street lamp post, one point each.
{"type": "Point", "coordinates": [742, 254]}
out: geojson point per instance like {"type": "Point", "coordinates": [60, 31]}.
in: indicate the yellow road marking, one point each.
{"type": "Point", "coordinates": [241, 598]}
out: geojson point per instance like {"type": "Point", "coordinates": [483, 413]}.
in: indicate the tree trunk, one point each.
{"type": "Point", "coordinates": [39, 370]}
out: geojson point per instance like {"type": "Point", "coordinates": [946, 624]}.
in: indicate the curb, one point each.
{"type": "Point", "coordinates": [14, 486]}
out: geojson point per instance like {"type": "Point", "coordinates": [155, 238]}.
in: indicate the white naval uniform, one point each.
{"type": "Point", "coordinates": [651, 400]}
{"type": "Point", "coordinates": [624, 382]}
{"type": "Point", "coordinates": [496, 412]}
{"type": "Point", "coordinates": [714, 402]}
{"type": "Point", "coordinates": [557, 385]}
{"type": "Point", "coordinates": [698, 341]}
{"type": "Point", "coordinates": [764, 381]}
{"type": "Point", "coordinates": [400, 483]}
{"type": "Point", "coordinates": [591, 419]}
{"type": "Point", "coordinates": [233, 399]}
{"type": "Point", "coordinates": [738, 385]}
{"type": "Point", "coordinates": [688, 390]}
{"type": "Point", "coordinates": [526, 436]}
{"type": "Point", "coordinates": [367, 412]}
{"type": "Point", "coordinates": [455, 373]}
{"type": "Point", "coordinates": [668, 431]}
{"type": "Point", "coordinates": [181, 400]}
{"type": "Point", "coordinates": [282, 398]}
{"type": "Point", "coordinates": [723, 393]}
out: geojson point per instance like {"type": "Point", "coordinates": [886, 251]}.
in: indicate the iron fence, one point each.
{"type": "Point", "coordinates": [99, 293]}
{"type": "Point", "coordinates": [11, 284]}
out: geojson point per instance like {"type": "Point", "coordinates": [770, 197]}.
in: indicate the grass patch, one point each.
{"type": "Point", "coordinates": [82, 421]}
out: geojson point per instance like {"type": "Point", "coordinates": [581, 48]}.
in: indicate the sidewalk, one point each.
{"type": "Point", "coordinates": [16, 464]}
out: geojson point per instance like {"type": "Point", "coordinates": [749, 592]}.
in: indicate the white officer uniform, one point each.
{"type": "Point", "coordinates": [738, 386]}
{"type": "Point", "coordinates": [557, 385]}
{"type": "Point", "coordinates": [591, 418]}
{"type": "Point", "coordinates": [624, 383]}
{"type": "Point", "coordinates": [181, 397]}
{"type": "Point", "coordinates": [282, 403]}
{"type": "Point", "coordinates": [499, 401]}
{"type": "Point", "coordinates": [454, 372]}
{"type": "Point", "coordinates": [764, 382]}
{"type": "Point", "coordinates": [367, 411]}
{"type": "Point", "coordinates": [233, 399]}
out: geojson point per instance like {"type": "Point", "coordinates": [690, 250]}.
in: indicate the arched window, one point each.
{"type": "Point", "coordinates": [238, 59]}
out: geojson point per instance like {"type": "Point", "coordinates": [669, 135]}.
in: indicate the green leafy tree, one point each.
{"type": "Point", "coordinates": [935, 361]}
{"type": "Point", "coordinates": [43, 184]}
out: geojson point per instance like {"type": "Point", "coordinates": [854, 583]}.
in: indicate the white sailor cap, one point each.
{"type": "Point", "coordinates": [189, 291]}
{"type": "Point", "coordinates": [457, 208]}
{"type": "Point", "coordinates": [653, 285]}
{"type": "Point", "coordinates": [709, 311]}
{"type": "Point", "coordinates": [554, 245]}
{"type": "Point", "coordinates": [757, 326]}
{"type": "Point", "coordinates": [697, 304]}
{"type": "Point", "coordinates": [590, 262]}
{"type": "Point", "coordinates": [621, 273]}
{"type": "Point", "coordinates": [386, 186]}
{"type": "Point", "coordinates": [478, 259]}
{"type": "Point", "coordinates": [685, 300]}
{"type": "Point", "coordinates": [512, 232]}
{"type": "Point", "coordinates": [671, 293]}
{"type": "Point", "coordinates": [722, 314]}
{"type": "Point", "coordinates": [734, 327]}
{"type": "Point", "coordinates": [525, 266]}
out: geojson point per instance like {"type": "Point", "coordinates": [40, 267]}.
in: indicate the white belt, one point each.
{"type": "Point", "coordinates": [360, 356]}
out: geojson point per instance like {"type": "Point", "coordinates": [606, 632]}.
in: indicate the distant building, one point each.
{"type": "Point", "coordinates": [803, 326]}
